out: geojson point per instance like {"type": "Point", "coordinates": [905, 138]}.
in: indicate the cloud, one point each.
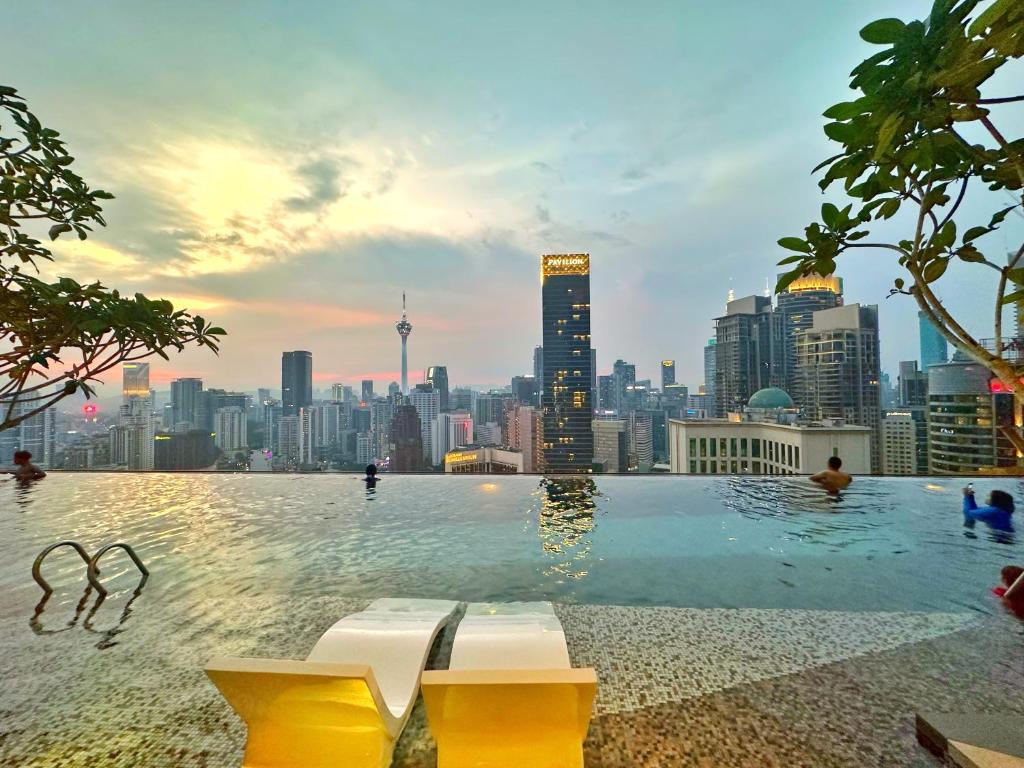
{"type": "Point", "coordinates": [324, 185]}
{"type": "Point", "coordinates": [543, 214]}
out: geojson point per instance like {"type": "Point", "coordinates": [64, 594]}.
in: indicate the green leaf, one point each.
{"type": "Point", "coordinates": [830, 215]}
{"type": "Point", "coordinates": [1013, 297]}
{"type": "Point", "coordinates": [887, 133]}
{"type": "Point", "coordinates": [889, 208]}
{"type": "Point", "coordinates": [900, 282]}
{"type": "Point", "coordinates": [970, 254]}
{"type": "Point", "coordinates": [1016, 276]}
{"type": "Point", "coordinates": [57, 229]}
{"type": "Point", "coordinates": [795, 244]}
{"type": "Point", "coordinates": [991, 15]}
{"type": "Point", "coordinates": [883, 31]}
{"type": "Point", "coordinates": [974, 233]}
{"type": "Point", "coordinates": [935, 270]}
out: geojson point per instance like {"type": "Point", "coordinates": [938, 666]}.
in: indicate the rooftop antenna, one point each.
{"type": "Point", "coordinates": [732, 294]}
{"type": "Point", "coordinates": [768, 286]}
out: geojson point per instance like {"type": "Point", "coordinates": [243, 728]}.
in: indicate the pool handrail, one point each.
{"type": "Point", "coordinates": [37, 565]}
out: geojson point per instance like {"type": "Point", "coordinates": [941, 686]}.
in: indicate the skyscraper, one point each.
{"type": "Point", "coordinates": [437, 377]}
{"type": "Point", "coordinates": [185, 404]}
{"type": "Point", "coordinates": [367, 391]}
{"type": "Point", "coordinates": [748, 352]}
{"type": "Point", "coordinates": [934, 349]}
{"type": "Point", "coordinates": [407, 436]}
{"type": "Point", "coordinates": [404, 328]}
{"type": "Point", "coordinates": [427, 404]}
{"type": "Point", "coordinates": [135, 378]}
{"type": "Point", "coordinates": [969, 425]}
{"type": "Point", "coordinates": [567, 378]}
{"type": "Point", "coordinates": [837, 370]}
{"type": "Point", "coordinates": [668, 373]}
{"type": "Point", "coordinates": [709, 378]}
{"type": "Point", "coordinates": [623, 377]}
{"type": "Point", "coordinates": [796, 307]}
{"type": "Point", "coordinates": [296, 381]}
{"type": "Point", "coordinates": [913, 384]}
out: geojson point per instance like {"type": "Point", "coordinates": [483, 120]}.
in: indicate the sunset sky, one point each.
{"type": "Point", "coordinates": [289, 169]}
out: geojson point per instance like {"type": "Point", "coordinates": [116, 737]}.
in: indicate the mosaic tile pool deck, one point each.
{"type": "Point", "coordinates": [678, 687]}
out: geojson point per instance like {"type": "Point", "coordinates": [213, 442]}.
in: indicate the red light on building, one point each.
{"type": "Point", "coordinates": [997, 387]}
{"type": "Point", "coordinates": [89, 409]}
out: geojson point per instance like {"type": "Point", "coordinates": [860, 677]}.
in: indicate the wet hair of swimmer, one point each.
{"type": "Point", "coordinates": [1002, 500]}
{"type": "Point", "coordinates": [20, 456]}
{"type": "Point", "coordinates": [371, 470]}
{"type": "Point", "coordinates": [835, 463]}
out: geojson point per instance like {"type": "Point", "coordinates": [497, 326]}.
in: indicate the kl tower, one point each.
{"type": "Point", "coordinates": [404, 328]}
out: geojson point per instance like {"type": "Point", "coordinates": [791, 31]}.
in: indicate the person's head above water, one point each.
{"type": "Point", "coordinates": [1001, 500]}
{"type": "Point", "coordinates": [371, 470]}
{"type": "Point", "coordinates": [22, 457]}
{"type": "Point", "coordinates": [835, 463]}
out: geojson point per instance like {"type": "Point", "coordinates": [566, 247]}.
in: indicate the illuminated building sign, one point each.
{"type": "Point", "coordinates": [89, 409]}
{"type": "Point", "coordinates": [565, 264]}
{"type": "Point", "coordinates": [461, 457]}
{"type": "Point", "coordinates": [816, 283]}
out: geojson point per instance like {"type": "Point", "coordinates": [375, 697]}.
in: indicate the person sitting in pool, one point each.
{"type": "Point", "coordinates": [996, 514]}
{"type": "Point", "coordinates": [26, 471]}
{"type": "Point", "coordinates": [833, 479]}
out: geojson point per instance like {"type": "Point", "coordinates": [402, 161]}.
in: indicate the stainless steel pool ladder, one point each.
{"type": "Point", "coordinates": [92, 567]}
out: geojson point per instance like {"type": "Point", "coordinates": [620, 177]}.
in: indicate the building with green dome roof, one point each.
{"type": "Point", "coordinates": [770, 398]}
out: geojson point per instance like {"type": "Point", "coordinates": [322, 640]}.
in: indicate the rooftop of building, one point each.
{"type": "Point", "coordinates": [802, 426]}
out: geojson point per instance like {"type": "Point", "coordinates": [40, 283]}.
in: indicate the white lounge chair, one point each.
{"type": "Point", "coordinates": [347, 703]}
{"type": "Point", "coordinates": [510, 696]}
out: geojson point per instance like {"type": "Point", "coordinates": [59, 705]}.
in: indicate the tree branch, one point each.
{"type": "Point", "coordinates": [1005, 145]}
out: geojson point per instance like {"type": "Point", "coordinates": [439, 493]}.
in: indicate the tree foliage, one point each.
{"type": "Point", "coordinates": [905, 147]}
{"type": "Point", "coordinates": [58, 338]}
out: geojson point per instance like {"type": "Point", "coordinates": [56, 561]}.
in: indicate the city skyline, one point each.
{"type": "Point", "coordinates": [293, 204]}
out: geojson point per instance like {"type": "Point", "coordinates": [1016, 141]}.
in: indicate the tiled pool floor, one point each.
{"type": "Point", "coordinates": [678, 686]}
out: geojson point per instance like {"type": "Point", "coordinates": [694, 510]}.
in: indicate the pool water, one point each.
{"type": "Point", "coordinates": [887, 544]}
{"type": "Point", "coordinates": [820, 625]}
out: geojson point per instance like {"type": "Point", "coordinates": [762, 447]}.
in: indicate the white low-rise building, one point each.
{"type": "Point", "coordinates": [733, 446]}
{"type": "Point", "coordinates": [484, 459]}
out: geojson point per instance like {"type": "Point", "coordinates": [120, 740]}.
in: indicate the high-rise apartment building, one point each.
{"type": "Point", "coordinates": [290, 441]}
{"type": "Point", "coordinates": [36, 434]}
{"type": "Point", "coordinates": [407, 434]}
{"type": "Point", "coordinates": [968, 423]}
{"type": "Point", "coordinates": [525, 389]}
{"type": "Point", "coordinates": [904, 436]}
{"type": "Point", "coordinates": [427, 403]}
{"type": "Point", "coordinates": [382, 414]}
{"type": "Point", "coordinates": [640, 436]}
{"type": "Point", "coordinates": [611, 454]}
{"type": "Point", "coordinates": [524, 428]}
{"type": "Point", "coordinates": [623, 377]}
{"type": "Point", "coordinates": [567, 380]}
{"type": "Point", "coordinates": [229, 428]}
{"type": "Point", "coordinates": [185, 404]}
{"type": "Point", "coordinates": [796, 306]}
{"type": "Point", "coordinates": [366, 395]}
{"type": "Point", "coordinates": [437, 377]}
{"type": "Point", "coordinates": [135, 380]}
{"type": "Point", "coordinates": [837, 370]}
{"type": "Point", "coordinates": [748, 352]}
{"type": "Point", "coordinates": [296, 381]}
{"type": "Point", "coordinates": [668, 373]}
{"type": "Point", "coordinates": [934, 348]}
{"type": "Point", "coordinates": [194, 449]}
{"type": "Point", "coordinates": [709, 379]}
{"type": "Point", "coordinates": [538, 363]}
{"type": "Point", "coordinates": [913, 385]}
{"type": "Point", "coordinates": [454, 430]}
{"type": "Point", "coordinates": [463, 399]}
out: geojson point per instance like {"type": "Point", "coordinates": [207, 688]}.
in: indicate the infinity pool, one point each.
{"type": "Point", "coordinates": [261, 564]}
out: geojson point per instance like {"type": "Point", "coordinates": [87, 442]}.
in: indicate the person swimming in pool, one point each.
{"type": "Point", "coordinates": [997, 513]}
{"type": "Point", "coordinates": [26, 471]}
{"type": "Point", "coordinates": [833, 479]}
{"type": "Point", "coordinates": [371, 476]}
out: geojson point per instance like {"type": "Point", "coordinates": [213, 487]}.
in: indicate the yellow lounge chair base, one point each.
{"type": "Point", "coordinates": [509, 718]}
{"type": "Point", "coordinates": [305, 714]}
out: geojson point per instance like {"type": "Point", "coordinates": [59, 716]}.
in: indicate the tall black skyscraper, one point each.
{"type": "Point", "coordinates": [296, 381]}
{"type": "Point", "coordinates": [567, 375]}
{"type": "Point", "coordinates": [437, 376]}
